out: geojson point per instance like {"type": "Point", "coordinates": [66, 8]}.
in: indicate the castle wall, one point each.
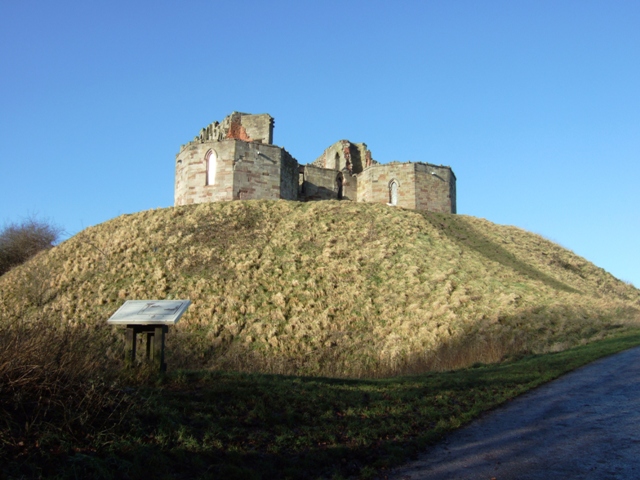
{"type": "Point", "coordinates": [319, 184]}
{"type": "Point", "coordinates": [259, 128]}
{"type": "Point", "coordinates": [420, 186]}
{"type": "Point", "coordinates": [191, 173]}
{"type": "Point", "coordinates": [350, 187]}
{"type": "Point", "coordinates": [289, 176]}
{"type": "Point", "coordinates": [263, 172]}
{"type": "Point", "coordinates": [344, 155]}
{"type": "Point", "coordinates": [435, 188]}
{"type": "Point", "coordinates": [374, 184]}
{"type": "Point", "coordinates": [360, 157]}
{"type": "Point", "coordinates": [240, 126]}
{"type": "Point", "coordinates": [243, 170]}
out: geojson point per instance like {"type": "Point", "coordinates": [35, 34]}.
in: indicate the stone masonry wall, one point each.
{"type": "Point", "coordinates": [241, 126]}
{"type": "Point", "coordinates": [421, 186]}
{"type": "Point", "coordinates": [257, 171]}
{"type": "Point", "coordinates": [344, 155]}
{"type": "Point", "coordinates": [349, 187]}
{"type": "Point", "coordinates": [191, 173]}
{"type": "Point", "coordinates": [374, 182]}
{"type": "Point", "coordinates": [434, 186]}
{"type": "Point", "coordinates": [258, 127]}
{"type": "Point", "coordinates": [289, 176]}
{"type": "Point", "coordinates": [319, 184]}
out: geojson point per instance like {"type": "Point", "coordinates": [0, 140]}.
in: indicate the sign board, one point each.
{"type": "Point", "coordinates": [149, 312]}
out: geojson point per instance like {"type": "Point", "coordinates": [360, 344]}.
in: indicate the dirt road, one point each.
{"type": "Point", "coordinates": [584, 425]}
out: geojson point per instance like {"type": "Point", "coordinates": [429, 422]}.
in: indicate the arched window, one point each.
{"type": "Point", "coordinates": [393, 192]}
{"type": "Point", "coordinates": [210, 159]}
{"type": "Point", "coordinates": [339, 182]}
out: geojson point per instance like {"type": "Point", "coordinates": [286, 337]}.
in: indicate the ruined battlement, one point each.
{"type": "Point", "coordinates": [422, 167]}
{"type": "Point", "coordinates": [240, 126]}
{"type": "Point", "coordinates": [235, 159]}
{"type": "Point", "coordinates": [353, 157]}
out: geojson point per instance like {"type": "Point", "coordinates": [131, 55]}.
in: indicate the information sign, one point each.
{"type": "Point", "coordinates": [149, 312]}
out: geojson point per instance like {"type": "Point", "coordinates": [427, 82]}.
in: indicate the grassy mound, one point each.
{"type": "Point", "coordinates": [324, 288]}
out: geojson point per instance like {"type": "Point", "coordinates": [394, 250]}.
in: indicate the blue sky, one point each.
{"type": "Point", "coordinates": [534, 104]}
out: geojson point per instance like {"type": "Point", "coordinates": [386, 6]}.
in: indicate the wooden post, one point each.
{"type": "Point", "coordinates": [130, 346]}
{"type": "Point", "coordinates": [154, 351]}
{"type": "Point", "coordinates": [158, 346]}
{"type": "Point", "coordinates": [149, 346]}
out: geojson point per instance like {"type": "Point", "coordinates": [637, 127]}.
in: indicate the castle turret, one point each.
{"type": "Point", "coordinates": [235, 159]}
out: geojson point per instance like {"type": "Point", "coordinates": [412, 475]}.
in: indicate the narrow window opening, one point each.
{"type": "Point", "coordinates": [393, 193]}
{"type": "Point", "coordinates": [210, 159]}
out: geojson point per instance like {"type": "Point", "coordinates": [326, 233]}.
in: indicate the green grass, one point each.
{"type": "Point", "coordinates": [205, 424]}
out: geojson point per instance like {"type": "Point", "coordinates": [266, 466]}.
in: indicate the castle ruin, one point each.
{"type": "Point", "coordinates": [236, 160]}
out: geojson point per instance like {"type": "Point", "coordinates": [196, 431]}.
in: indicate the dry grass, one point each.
{"type": "Point", "coordinates": [326, 288]}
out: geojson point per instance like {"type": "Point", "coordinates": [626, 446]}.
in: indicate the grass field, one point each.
{"type": "Point", "coordinates": [324, 340]}
{"type": "Point", "coordinates": [325, 288]}
{"type": "Point", "coordinates": [205, 424]}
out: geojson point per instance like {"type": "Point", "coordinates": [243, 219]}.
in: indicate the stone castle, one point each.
{"type": "Point", "coordinates": [235, 160]}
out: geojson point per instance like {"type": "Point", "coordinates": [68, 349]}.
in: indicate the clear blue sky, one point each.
{"type": "Point", "coordinates": [534, 104]}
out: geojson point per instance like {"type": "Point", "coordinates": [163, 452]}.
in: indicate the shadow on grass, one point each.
{"type": "Point", "coordinates": [250, 426]}
{"type": "Point", "coordinates": [465, 235]}
{"type": "Point", "coordinates": [488, 340]}
{"type": "Point", "coordinates": [207, 424]}
{"type": "Point", "coordinates": [535, 329]}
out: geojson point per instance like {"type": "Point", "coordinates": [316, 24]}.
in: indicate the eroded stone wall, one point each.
{"type": "Point", "coordinates": [239, 126]}
{"type": "Point", "coordinates": [259, 128]}
{"type": "Point", "coordinates": [344, 155]}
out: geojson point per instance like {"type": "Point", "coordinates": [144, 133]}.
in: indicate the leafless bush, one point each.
{"type": "Point", "coordinates": [54, 381]}
{"type": "Point", "coordinates": [21, 241]}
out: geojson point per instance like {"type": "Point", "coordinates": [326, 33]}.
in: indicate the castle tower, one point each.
{"type": "Point", "coordinates": [233, 160]}
{"type": "Point", "coordinates": [415, 185]}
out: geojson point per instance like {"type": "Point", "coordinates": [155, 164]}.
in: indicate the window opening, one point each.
{"type": "Point", "coordinates": [210, 159]}
{"type": "Point", "coordinates": [393, 193]}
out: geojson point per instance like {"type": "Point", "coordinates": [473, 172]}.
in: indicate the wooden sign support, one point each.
{"type": "Point", "coordinates": [155, 336]}
{"type": "Point", "coordinates": [152, 318]}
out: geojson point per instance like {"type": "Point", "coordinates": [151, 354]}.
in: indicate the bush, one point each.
{"type": "Point", "coordinates": [56, 390]}
{"type": "Point", "coordinates": [21, 241]}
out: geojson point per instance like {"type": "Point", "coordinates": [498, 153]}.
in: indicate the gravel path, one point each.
{"type": "Point", "coordinates": [584, 425]}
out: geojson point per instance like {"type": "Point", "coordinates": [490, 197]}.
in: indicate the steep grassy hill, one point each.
{"type": "Point", "coordinates": [329, 288]}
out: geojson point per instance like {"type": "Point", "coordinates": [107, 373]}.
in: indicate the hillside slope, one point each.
{"type": "Point", "coordinates": [331, 288]}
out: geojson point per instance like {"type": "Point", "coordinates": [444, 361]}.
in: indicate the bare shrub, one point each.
{"type": "Point", "coordinates": [54, 383]}
{"type": "Point", "coordinates": [21, 241]}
